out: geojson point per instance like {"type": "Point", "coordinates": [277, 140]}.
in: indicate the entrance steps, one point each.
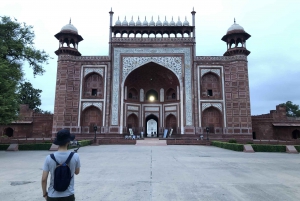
{"type": "Point", "coordinates": [151, 142]}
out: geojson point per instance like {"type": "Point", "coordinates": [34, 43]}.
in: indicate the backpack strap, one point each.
{"type": "Point", "coordinates": [53, 157]}
{"type": "Point", "coordinates": [69, 158]}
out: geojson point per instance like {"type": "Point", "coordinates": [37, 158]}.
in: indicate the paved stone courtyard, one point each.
{"type": "Point", "coordinates": [128, 172]}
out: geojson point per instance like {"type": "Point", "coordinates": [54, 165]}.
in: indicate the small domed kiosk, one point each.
{"type": "Point", "coordinates": [235, 39]}
{"type": "Point", "coordinates": [68, 40]}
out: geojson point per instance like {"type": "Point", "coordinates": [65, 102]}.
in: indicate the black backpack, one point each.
{"type": "Point", "coordinates": [62, 174]}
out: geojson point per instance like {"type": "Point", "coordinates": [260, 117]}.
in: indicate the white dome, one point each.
{"type": "Point", "coordinates": [179, 23]}
{"type": "Point", "coordinates": [125, 23]}
{"type": "Point", "coordinates": [69, 27]}
{"type": "Point", "coordinates": [118, 22]}
{"type": "Point", "coordinates": [145, 23]}
{"type": "Point", "coordinates": [166, 23]}
{"type": "Point", "coordinates": [152, 23]}
{"type": "Point", "coordinates": [131, 23]}
{"type": "Point", "coordinates": [186, 23]}
{"type": "Point", "coordinates": [158, 23]}
{"type": "Point", "coordinates": [138, 22]}
{"type": "Point", "coordinates": [172, 23]}
{"type": "Point", "coordinates": [236, 27]}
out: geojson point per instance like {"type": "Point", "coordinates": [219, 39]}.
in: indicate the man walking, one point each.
{"type": "Point", "coordinates": [61, 162]}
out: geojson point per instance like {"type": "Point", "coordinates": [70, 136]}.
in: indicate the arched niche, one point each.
{"type": "Point", "coordinates": [171, 123]}
{"type": "Point", "coordinates": [171, 94]}
{"type": "Point", "coordinates": [132, 122]}
{"type": "Point", "coordinates": [296, 134]}
{"type": "Point", "coordinates": [9, 132]}
{"type": "Point", "coordinates": [212, 118]}
{"type": "Point", "coordinates": [90, 117]}
{"type": "Point", "coordinates": [133, 94]}
{"type": "Point", "coordinates": [152, 93]}
{"type": "Point", "coordinates": [93, 86]}
{"type": "Point", "coordinates": [210, 86]}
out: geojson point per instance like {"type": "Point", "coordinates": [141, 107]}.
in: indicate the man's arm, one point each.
{"type": "Point", "coordinates": [44, 182]}
{"type": "Point", "coordinates": [77, 170]}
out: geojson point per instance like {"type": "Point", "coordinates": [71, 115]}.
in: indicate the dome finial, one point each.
{"type": "Point", "coordinates": [70, 21]}
{"type": "Point", "coordinates": [234, 20]}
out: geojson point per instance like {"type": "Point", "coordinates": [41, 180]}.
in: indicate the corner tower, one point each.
{"type": "Point", "coordinates": [68, 40]}
{"type": "Point", "coordinates": [235, 39]}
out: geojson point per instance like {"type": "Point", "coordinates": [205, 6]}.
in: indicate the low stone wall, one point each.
{"type": "Point", "coordinates": [187, 142]}
{"type": "Point", "coordinates": [115, 141]}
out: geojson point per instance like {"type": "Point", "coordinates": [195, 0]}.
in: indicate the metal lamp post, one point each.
{"type": "Point", "coordinates": [207, 131]}
{"type": "Point", "coordinates": [95, 129]}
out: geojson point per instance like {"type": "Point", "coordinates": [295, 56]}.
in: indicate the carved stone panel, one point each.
{"type": "Point", "coordinates": [175, 64]}
{"type": "Point", "coordinates": [87, 104]}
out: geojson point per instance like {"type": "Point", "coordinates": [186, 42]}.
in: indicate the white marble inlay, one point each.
{"type": "Point", "coordinates": [154, 113]}
{"type": "Point", "coordinates": [133, 108]}
{"type": "Point", "coordinates": [216, 71]}
{"type": "Point", "coordinates": [96, 70]}
{"type": "Point", "coordinates": [87, 104]}
{"type": "Point", "coordinates": [170, 108]}
{"type": "Point", "coordinates": [151, 108]}
{"type": "Point", "coordinates": [129, 113]}
{"type": "Point", "coordinates": [168, 113]}
{"type": "Point", "coordinates": [216, 105]}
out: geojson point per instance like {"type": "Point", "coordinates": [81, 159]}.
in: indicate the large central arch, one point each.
{"type": "Point", "coordinates": [122, 62]}
{"type": "Point", "coordinates": [147, 88]}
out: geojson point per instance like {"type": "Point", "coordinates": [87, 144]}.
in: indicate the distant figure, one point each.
{"type": "Point", "coordinates": [62, 165]}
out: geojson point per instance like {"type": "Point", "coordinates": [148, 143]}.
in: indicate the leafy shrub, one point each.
{"type": "Point", "coordinates": [85, 142]}
{"type": "Point", "coordinates": [230, 146]}
{"type": "Point", "coordinates": [232, 141]}
{"type": "Point", "coordinates": [268, 148]}
{"type": "Point", "coordinates": [249, 143]}
{"type": "Point", "coordinates": [39, 146]}
{"type": "Point", "coordinates": [4, 146]}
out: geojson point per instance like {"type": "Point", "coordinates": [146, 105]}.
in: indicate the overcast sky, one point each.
{"type": "Point", "coordinates": [274, 62]}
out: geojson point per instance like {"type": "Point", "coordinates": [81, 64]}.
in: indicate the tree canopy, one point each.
{"type": "Point", "coordinates": [16, 47]}
{"type": "Point", "coordinates": [292, 110]}
{"type": "Point", "coordinates": [30, 96]}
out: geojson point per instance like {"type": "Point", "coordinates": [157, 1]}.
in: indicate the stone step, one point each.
{"type": "Point", "coordinates": [151, 142]}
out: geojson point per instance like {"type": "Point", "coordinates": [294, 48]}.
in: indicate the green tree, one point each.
{"type": "Point", "coordinates": [16, 47]}
{"type": "Point", "coordinates": [292, 110]}
{"type": "Point", "coordinates": [30, 96]}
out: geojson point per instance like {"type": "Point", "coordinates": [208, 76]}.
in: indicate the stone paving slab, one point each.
{"type": "Point", "coordinates": [125, 172]}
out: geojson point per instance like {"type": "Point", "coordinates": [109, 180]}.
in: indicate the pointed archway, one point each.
{"type": "Point", "coordinates": [296, 134]}
{"type": "Point", "coordinates": [132, 122]}
{"type": "Point", "coordinates": [171, 122]}
{"type": "Point", "coordinates": [151, 126]}
{"type": "Point", "coordinates": [9, 132]}
{"type": "Point", "coordinates": [91, 116]}
{"type": "Point", "coordinates": [212, 118]}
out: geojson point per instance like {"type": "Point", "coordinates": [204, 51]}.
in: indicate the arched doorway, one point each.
{"type": "Point", "coordinates": [91, 116]}
{"type": "Point", "coordinates": [132, 122]}
{"type": "Point", "coordinates": [151, 125]}
{"type": "Point", "coordinates": [296, 134]}
{"type": "Point", "coordinates": [150, 81]}
{"type": "Point", "coordinates": [171, 122]}
{"type": "Point", "coordinates": [212, 118]}
{"type": "Point", "coordinates": [9, 132]}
